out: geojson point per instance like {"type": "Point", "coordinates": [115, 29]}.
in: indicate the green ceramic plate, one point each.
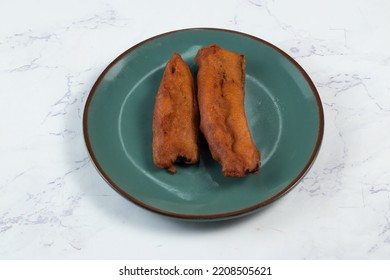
{"type": "Point", "coordinates": [283, 109]}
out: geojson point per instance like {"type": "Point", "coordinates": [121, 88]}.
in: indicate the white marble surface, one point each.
{"type": "Point", "coordinates": [53, 203]}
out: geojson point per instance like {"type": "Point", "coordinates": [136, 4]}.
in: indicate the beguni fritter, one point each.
{"type": "Point", "coordinates": [220, 82]}
{"type": "Point", "coordinates": [175, 117]}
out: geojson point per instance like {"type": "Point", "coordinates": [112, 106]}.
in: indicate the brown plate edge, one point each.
{"type": "Point", "coordinates": [208, 217]}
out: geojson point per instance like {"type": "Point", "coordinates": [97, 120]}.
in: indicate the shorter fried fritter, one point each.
{"type": "Point", "coordinates": [175, 117]}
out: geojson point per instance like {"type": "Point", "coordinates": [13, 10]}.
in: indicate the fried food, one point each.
{"type": "Point", "coordinates": [220, 81]}
{"type": "Point", "coordinates": [175, 117]}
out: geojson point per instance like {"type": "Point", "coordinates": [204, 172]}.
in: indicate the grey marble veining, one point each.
{"type": "Point", "coordinates": [54, 204]}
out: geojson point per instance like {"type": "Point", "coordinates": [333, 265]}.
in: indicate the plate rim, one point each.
{"type": "Point", "coordinates": [218, 216]}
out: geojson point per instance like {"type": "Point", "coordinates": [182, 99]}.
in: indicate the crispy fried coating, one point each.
{"type": "Point", "coordinates": [220, 81]}
{"type": "Point", "coordinates": [175, 117]}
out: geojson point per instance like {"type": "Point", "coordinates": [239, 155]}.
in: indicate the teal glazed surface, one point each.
{"type": "Point", "coordinates": [283, 109]}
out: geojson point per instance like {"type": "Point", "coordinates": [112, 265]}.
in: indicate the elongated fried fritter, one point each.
{"type": "Point", "coordinates": [175, 117]}
{"type": "Point", "coordinates": [220, 81]}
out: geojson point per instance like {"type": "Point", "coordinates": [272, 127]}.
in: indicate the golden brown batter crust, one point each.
{"type": "Point", "coordinates": [220, 81]}
{"type": "Point", "coordinates": [175, 117]}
